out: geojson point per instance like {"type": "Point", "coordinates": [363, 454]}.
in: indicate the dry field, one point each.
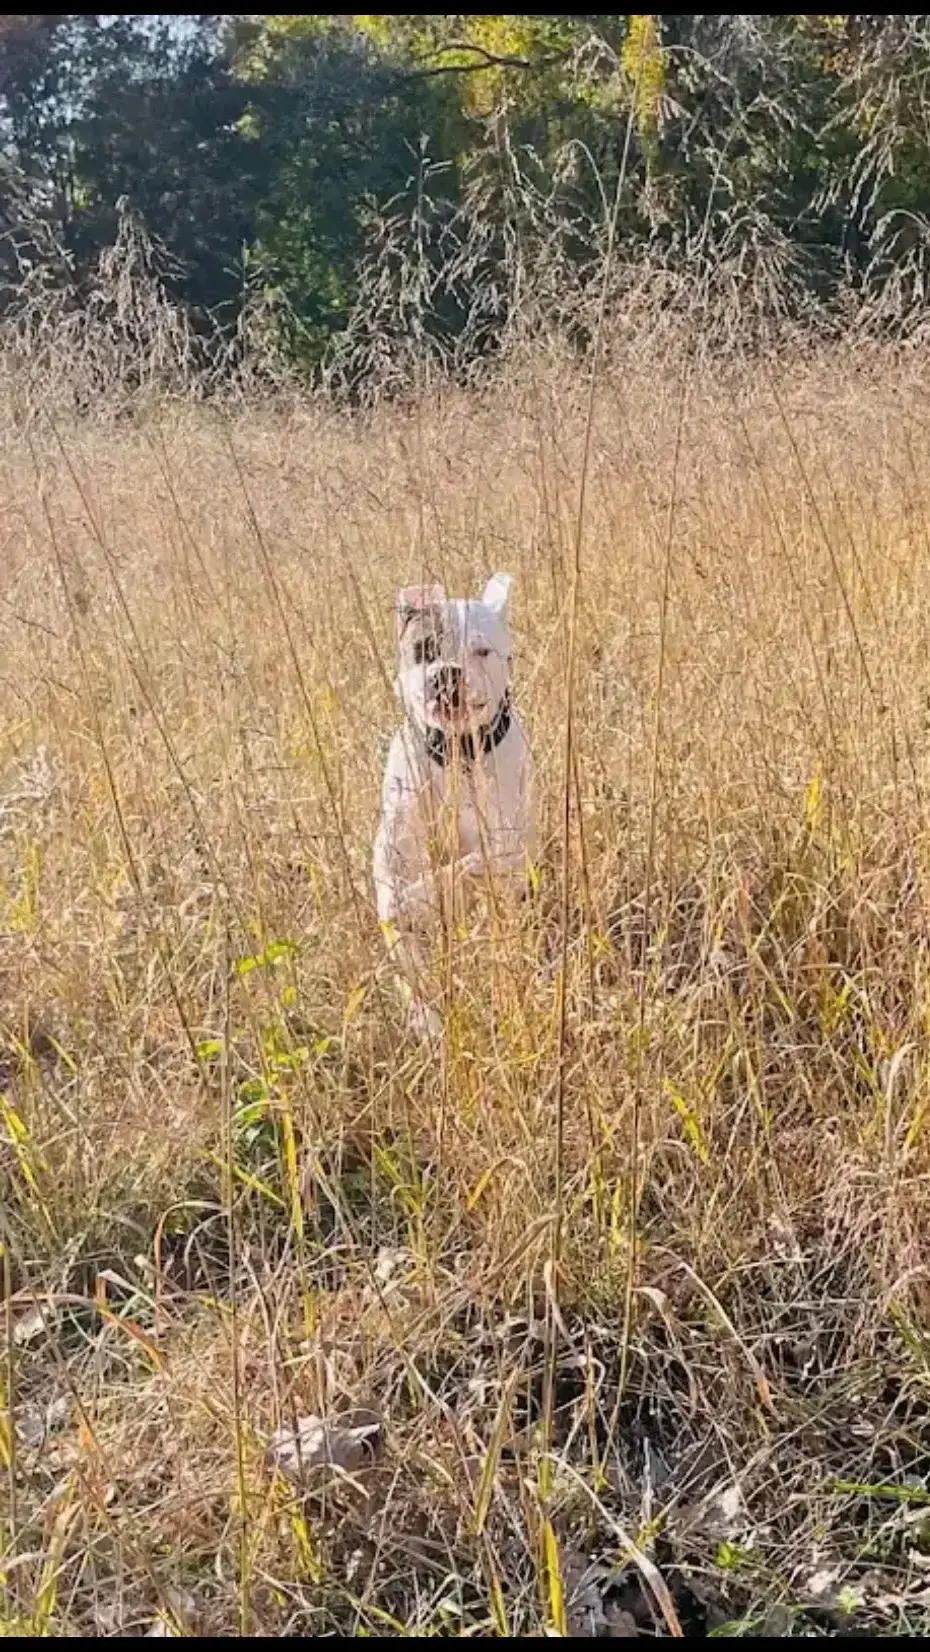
{"type": "Point", "coordinates": [631, 1288]}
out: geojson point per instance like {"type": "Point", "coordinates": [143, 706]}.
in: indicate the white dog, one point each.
{"type": "Point", "coordinates": [457, 801]}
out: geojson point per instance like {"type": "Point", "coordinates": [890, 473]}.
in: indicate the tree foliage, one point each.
{"type": "Point", "coordinates": [310, 155]}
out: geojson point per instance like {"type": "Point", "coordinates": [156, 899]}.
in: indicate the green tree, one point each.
{"type": "Point", "coordinates": [95, 109]}
{"type": "Point", "coordinates": [160, 128]}
{"type": "Point", "coordinates": [339, 126]}
{"type": "Point", "coordinates": [450, 165]}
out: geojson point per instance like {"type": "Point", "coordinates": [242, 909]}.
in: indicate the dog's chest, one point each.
{"type": "Point", "coordinates": [455, 815]}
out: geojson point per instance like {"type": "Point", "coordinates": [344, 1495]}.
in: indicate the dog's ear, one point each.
{"type": "Point", "coordinates": [496, 594]}
{"type": "Point", "coordinates": [414, 599]}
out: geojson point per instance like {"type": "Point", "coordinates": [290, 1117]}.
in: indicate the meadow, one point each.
{"type": "Point", "coordinates": [626, 1294]}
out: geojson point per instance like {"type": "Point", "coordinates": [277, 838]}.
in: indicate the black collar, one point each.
{"type": "Point", "coordinates": [439, 745]}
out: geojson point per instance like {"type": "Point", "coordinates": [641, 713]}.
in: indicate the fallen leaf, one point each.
{"type": "Point", "coordinates": [109, 1616]}
{"type": "Point", "coordinates": [389, 1260]}
{"type": "Point", "coordinates": [823, 1583]}
{"type": "Point", "coordinates": [177, 1618]}
{"type": "Point", "coordinates": [31, 1325]}
{"type": "Point", "coordinates": [730, 1504]}
{"type": "Point", "coordinates": [720, 1516]}
{"type": "Point", "coordinates": [619, 1622]}
{"type": "Point", "coordinates": [34, 1423]}
{"type": "Point", "coordinates": [586, 1584]}
{"type": "Point", "coordinates": [348, 1443]}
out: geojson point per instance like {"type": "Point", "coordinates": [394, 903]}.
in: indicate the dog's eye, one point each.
{"type": "Point", "coordinates": [482, 653]}
{"type": "Point", "coordinates": [424, 651]}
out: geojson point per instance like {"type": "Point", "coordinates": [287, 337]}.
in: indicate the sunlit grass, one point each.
{"type": "Point", "coordinates": [231, 1193]}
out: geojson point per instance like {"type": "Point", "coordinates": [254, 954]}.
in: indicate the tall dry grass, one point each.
{"type": "Point", "coordinates": [688, 1346]}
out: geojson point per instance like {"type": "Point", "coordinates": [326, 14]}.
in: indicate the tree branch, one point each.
{"type": "Point", "coordinates": [486, 60]}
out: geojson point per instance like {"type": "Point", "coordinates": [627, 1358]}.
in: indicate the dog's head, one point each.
{"type": "Point", "coordinates": [455, 654]}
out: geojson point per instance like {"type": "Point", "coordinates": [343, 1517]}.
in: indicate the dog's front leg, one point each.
{"type": "Point", "coordinates": [433, 894]}
{"type": "Point", "coordinates": [407, 953]}
{"type": "Point", "coordinates": [502, 867]}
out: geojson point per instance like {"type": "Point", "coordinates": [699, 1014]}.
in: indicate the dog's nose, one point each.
{"type": "Point", "coordinates": [449, 685]}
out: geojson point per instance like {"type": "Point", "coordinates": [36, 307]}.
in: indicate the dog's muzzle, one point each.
{"type": "Point", "coordinates": [449, 687]}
